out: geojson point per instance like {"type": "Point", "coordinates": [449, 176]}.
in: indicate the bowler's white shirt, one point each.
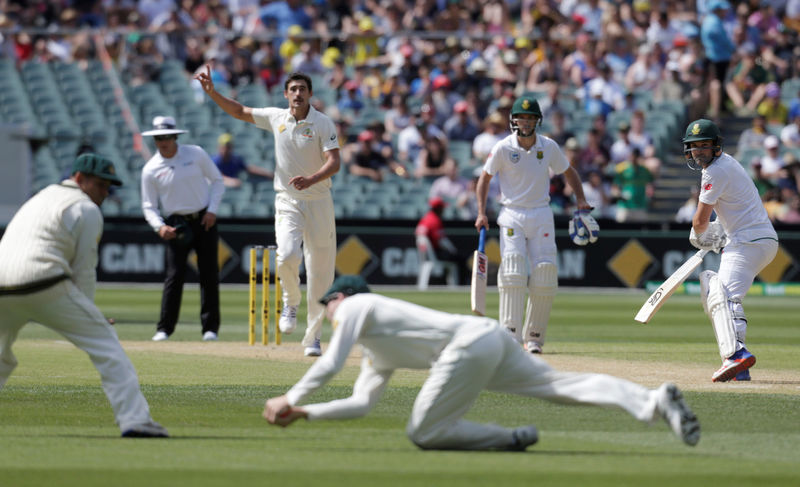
{"type": "Point", "coordinates": [394, 334]}
{"type": "Point", "coordinates": [299, 147]}
{"type": "Point", "coordinates": [183, 184]}
{"type": "Point", "coordinates": [524, 175]}
{"type": "Point", "coordinates": [726, 185]}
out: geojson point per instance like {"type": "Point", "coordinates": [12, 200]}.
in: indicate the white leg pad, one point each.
{"type": "Point", "coordinates": [739, 318]}
{"type": "Point", "coordinates": [715, 303]}
{"type": "Point", "coordinates": [544, 283]}
{"type": "Point", "coordinates": [512, 281]}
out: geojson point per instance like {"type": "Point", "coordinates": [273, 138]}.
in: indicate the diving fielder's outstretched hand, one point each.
{"type": "Point", "coordinates": [277, 411]}
{"type": "Point", "coordinates": [205, 79]}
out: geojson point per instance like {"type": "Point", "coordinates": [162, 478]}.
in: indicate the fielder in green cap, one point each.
{"type": "Point", "coordinates": [466, 355]}
{"type": "Point", "coordinates": [527, 278]}
{"type": "Point", "coordinates": [742, 227]}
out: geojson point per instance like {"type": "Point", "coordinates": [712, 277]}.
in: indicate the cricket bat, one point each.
{"type": "Point", "coordinates": [480, 267]}
{"type": "Point", "coordinates": [665, 290]}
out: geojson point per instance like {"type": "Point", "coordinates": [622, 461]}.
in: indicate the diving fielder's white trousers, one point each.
{"type": "Point", "coordinates": [306, 229]}
{"type": "Point", "coordinates": [491, 359]}
{"type": "Point", "coordinates": [66, 310]}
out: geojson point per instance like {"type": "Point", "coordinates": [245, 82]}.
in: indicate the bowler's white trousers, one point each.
{"type": "Point", "coordinates": [493, 360]}
{"type": "Point", "coordinates": [66, 310]}
{"type": "Point", "coordinates": [306, 229]}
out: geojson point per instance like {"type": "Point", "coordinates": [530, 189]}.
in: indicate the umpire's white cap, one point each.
{"type": "Point", "coordinates": [164, 126]}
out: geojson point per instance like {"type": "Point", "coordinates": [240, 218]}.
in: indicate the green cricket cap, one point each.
{"type": "Point", "coordinates": [701, 129]}
{"type": "Point", "coordinates": [96, 165]}
{"type": "Point", "coordinates": [348, 285]}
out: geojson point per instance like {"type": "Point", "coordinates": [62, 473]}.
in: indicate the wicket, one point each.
{"type": "Point", "coordinates": [266, 252]}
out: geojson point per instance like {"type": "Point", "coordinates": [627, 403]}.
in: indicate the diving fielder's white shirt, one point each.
{"type": "Point", "coordinates": [55, 233]}
{"type": "Point", "coordinates": [727, 186]}
{"type": "Point", "coordinates": [183, 184]}
{"type": "Point", "coordinates": [393, 334]}
{"type": "Point", "coordinates": [524, 175]}
{"type": "Point", "coordinates": [299, 147]}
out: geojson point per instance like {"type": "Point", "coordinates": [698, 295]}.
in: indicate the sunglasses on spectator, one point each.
{"type": "Point", "coordinates": [165, 137]}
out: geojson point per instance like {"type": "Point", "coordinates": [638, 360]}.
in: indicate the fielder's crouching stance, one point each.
{"type": "Point", "coordinates": [465, 354]}
{"type": "Point", "coordinates": [742, 227]}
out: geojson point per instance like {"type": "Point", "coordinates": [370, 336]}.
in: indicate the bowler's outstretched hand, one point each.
{"type": "Point", "coordinates": [205, 79]}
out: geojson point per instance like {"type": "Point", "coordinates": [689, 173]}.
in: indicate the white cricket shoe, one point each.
{"type": "Point", "coordinates": [160, 336]}
{"type": "Point", "coordinates": [533, 347]}
{"type": "Point", "coordinates": [523, 437]}
{"type": "Point", "coordinates": [314, 350]}
{"type": "Point", "coordinates": [677, 414]}
{"type": "Point", "coordinates": [150, 429]}
{"type": "Point", "coordinates": [210, 336]}
{"type": "Point", "coordinates": [288, 321]}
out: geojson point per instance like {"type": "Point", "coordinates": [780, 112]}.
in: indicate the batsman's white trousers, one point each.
{"type": "Point", "coordinates": [532, 234]}
{"type": "Point", "coordinates": [489, 358]}
{"type": "Point", "coordinates": [66, 310]}
{"type": "Point", "coordinates": [306, 229]}
{"type": "Point", "coordinates": [738, 267]}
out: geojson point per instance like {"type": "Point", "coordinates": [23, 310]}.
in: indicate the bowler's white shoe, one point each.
{"type": "Point", "coordinates": [210, 336]}
{"type": "Point", "coordinates": [677, 414]}
{"type": "Point", "coordinates": [533, 347]}
{"type": "Point", "coordinates": [150, 429]}
{"type": "Point", "coordinates": [288, 321]}
{"type": "Point", "coordinates": [160, 336]}
{"type": "Point", "coordinates": [523, 437]}
{"type": "Point", "coordinates": [314, 350]}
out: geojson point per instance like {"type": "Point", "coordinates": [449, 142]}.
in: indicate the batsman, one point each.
{"type": "Point", "coordinates": [522, 162]}
{"type": "Point", "coordinates": [742, 227]}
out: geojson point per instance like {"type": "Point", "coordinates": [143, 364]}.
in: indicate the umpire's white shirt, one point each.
{"type": "Point", "coordinates": [394, 334]}
{"type": "Point", "coordinates": [55, 233]}
{"type": "Point", "coordinates": [524, 175]}
{"type": "Point", "coordinates": [727, 186]}
{"type": "Point", "coordinates": [299, 147]}
{"type": "Point", "coordinates": [183, 184]}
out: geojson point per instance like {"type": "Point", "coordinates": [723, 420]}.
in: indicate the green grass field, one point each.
{"type": "Point", "coordinates": [56, 427]}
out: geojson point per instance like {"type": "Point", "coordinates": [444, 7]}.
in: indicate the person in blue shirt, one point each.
{"type": "Point", "coordinates": [719, 49]}
{"type": "Point", "coordinates": [231, 165]}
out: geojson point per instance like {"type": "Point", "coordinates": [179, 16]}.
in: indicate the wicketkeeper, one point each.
{"type": "Point", "coordinates": [742, 227]}
{"type": "Point", "coordinates": [522, 162]}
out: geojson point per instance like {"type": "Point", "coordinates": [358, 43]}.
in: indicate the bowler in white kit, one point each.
{"type": "Point", "coordinates": [306, 157]}
{"type": "Point", "coordinates": [465, 355]}
{"type": "Point", "coordinates": [742, 232]}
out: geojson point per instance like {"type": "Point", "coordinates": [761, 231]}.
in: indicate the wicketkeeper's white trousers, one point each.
{"type": "Point", "coordinates": [306, 229]}
{"type": "Point", "coordinates": [66, 310]}
{"type": "Point", "coordinates": [495, 361]}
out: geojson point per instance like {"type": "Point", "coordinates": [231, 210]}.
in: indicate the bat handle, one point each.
{"type": "Point", "coordinates": [482, 240]}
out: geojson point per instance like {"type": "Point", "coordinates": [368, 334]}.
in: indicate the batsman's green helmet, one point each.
{"type": "Point", "coordinates": [526, 104]}
{"type": "Point", "coordinates": [701, 130]}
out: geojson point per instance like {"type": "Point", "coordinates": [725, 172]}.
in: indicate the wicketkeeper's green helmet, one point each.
{"type": "Point", "coordinates": [698, 130]}
{"type": "Point", "coordinates": [525, 104]}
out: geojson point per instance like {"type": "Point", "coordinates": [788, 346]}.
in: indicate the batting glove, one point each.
{"type": "Point", "coordinates": [583, 229]}
{"type": "Point", "coordinates": [712, 239]}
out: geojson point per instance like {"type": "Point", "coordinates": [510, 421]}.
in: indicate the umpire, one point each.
{"type": "Point", "coordinates": [188, 187]}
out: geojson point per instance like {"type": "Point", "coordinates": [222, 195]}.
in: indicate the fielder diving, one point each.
{"type": "Point", "coordinates": [742, 227]}
{"type": "Point", "coordinates": [465, 355]}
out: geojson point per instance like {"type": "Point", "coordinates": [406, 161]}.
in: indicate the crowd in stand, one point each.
{"type": "Point", "coordinates": [456, 77]}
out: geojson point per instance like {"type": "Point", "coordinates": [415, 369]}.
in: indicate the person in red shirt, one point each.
{"type": "Point", "coordinates": [431, 226]}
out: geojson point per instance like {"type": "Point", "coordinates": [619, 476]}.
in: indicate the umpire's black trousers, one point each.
{"type": "Point", "coordinates": [204, 244]}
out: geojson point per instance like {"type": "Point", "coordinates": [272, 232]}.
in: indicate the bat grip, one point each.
{"type": "Point", "coordinates": [482, 240]}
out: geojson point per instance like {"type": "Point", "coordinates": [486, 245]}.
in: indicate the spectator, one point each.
{"type": "Point", "coordinates": [639, 137]}
{"type": "Point", "coordinates": [493, 132]}
{"type": "Point", "coordinates": [771, 162]}
{"type": "Point", "coordinates": [612, 93]}
{"type": "Point", "coordinates": [687, 210]}
{"type": "Point", "coordinates": [308, 60]}
{"type": "Point", "coordinates": [558, 132]}
{"type": "Point", "coordinates": [593, 155]}
{"type": "Point", "coordinates": [411, 139]}
{"type": "Point", "coordinates": [772, 108]}
{"type": "Point", "coordinates": [282, 15]}
{"type": "Point", "coordinates": [622, 147]}
{"type": "Point", "coordinates": [763, 185]}
{"type": "Point", "coordinates": [748, 83]}
{"type": "Point", "coordinates": [352, 102]}
{"type": "Point", "coordinates": [790, 134]}
{"type": "Point", "coordinates": [452, 188]}
{"type": "Point", "coordinates": [753, 137]}
{"type": "Point", "coordinates": [462, 125]}
{"type": "Point", "coordinates": [397, 117]}
{"type": "Point", "coordinates": [645, 73]}
{"type": "Point", "coordinates": [434, 159]}
{"type": "Point", "coordinates": [719, 49]}
{"type": "Point", "coordinates": [369, 162]}
{"type": "Point", "coordinates": [594, 104]}
{"type": "Point", "coordinates": [232, 165]}
{"type": "Point", "coordinates": [597, 194]}
{"type": "Point", "coordinates": [633, 184]}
